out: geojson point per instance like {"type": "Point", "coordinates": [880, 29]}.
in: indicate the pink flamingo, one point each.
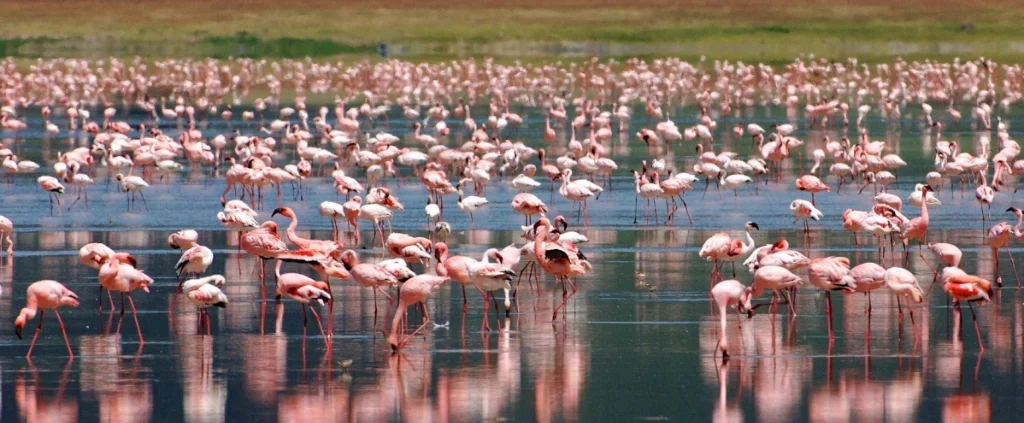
{"type": "Point", "coordinates": [557, 260]}
{"type": "Point", "coordinates": [455, 267]}
{"type": "Point", "coordinates": [999, 237]}
{"type": "Point", "coordinates": [852, 222]}
{"type": "Point", "coordinates": [948, 255]}
{"type": "Point", "coordinates": [95, 255]}
{"type": "Point", "coordinates": [41, 296]}
{"type": "Point", "coordinates": [528, 205]}
{"type": "Point", "coordinates": [370, 276]}
{"type": "Point", "coordinates": [325, 247]}
{"type": "Point", "coordinates": [868, 277]}
{"type": "Point", "coordinates": [266, 244]}
{"type": "Point", "coordinates": [811, 184]}
{"type": "Point", "coordinates": [6, 234]}
{"type": "Point", "coordinates": [727, 293]}
{"type": "Point", "coordinates": [408, 248]}
{"type": "Point", "coordinates": [918, 227]}
{"type": "Point", "coordinates": [305, 290]}
{"type": "Point", "coordinates": [963, 287]}
{"type": "Point", "coordinates": [831, 274]}
{"type": "Point", "coordinates": [902, 283]}
{"type": "Point", "coordinates": [124, 279]}
{"type": "Point", "coordinates": [195, 259]}
{"type": "Point", "coordinates": [416, 291]}
{"type": "Point", "coordinates": [487, 277]}
{"type": "Point", "coordinates": [722, 247]}
{"type": "Point", "coordinates": [775, 278]}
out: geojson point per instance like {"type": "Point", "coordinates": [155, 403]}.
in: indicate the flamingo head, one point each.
{"type": "Point", "coordinates": [561, 220]}
{"type": "Point", "coordinates": [283, 211]}
{"type": "Point", "coordinates": [541, 222]}
{"type": "Point", "coordinates": [744, 304]}
{"type": "Point", "coordinates": [752, 225]}
{"type": "Point", "coordinates": [440, 251]}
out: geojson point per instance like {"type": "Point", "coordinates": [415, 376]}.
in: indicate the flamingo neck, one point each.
{"type": "Point", "coordinates": [750, 241]}
{"type": "Point", "coordinates": [292, 236]}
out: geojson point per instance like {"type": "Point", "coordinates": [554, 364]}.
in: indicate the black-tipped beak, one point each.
{"type": "Point", "coordinates": [754, 225]}
{"type": "Point", "coordinates": [17, 331]}
{"type": "Point", "coordinates": [536, 225]}
{"type": "Point", "coordinates": [277, 211]}
{"type": "Point", "coordinates": [1012, 209]}
{"type": "Point", "coordinates": [929, 187]}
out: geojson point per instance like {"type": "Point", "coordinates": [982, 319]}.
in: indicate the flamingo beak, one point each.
{"type": "Point", "coordinates": [277, 211]}
{"type": "Point", "coordinates": [17, 331]}
{"type": "Point", "coordinates": [754, 225]}
{"type": "Point", "coordinates": [1012, 209]}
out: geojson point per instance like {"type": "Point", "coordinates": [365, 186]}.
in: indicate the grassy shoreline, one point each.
{"type": "Point", "coordinates": [728, 29]}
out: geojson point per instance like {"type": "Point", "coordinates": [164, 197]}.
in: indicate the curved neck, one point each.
{"type": "Point", "coordinates": [538, 241]}
{"type": "Point", "coordinates": [291, 228]}
{"type": "Point", "coordinates": [750, 240]}
{"type": "Point", "coordinates": [440, 268]}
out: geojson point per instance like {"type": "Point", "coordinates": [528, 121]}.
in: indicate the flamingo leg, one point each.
{"type": "Point", "coordinates": [63, 332]}
{"type": "Point", "coordinates": [135, 315]}
{"type": "Point", "coordinates": [318, 323]}
{"type": "Point", "coordinates": [828, 311]}
{"type": "Point", "coordinates": [977, 331]}
{"type": "Point", "coordinates": [39, 329]}
{"type": "Point", "coordinates": [1013, 265]}
{"type": "Point", "coordinates": [426, 320]}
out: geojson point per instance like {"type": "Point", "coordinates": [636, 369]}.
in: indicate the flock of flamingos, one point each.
{"type": "Point", "coordinates": [349, 146]}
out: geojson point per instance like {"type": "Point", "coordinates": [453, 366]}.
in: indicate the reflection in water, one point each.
{"type": "Point", "coordinates": [121, 384]}
{"type": "Point", "coordinates": [35, 404]}
{"type": "Point", "coordinates": [638, 339]}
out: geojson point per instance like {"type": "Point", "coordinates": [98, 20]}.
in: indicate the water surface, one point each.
{"type": "Point", "coordinates": [636, 342]}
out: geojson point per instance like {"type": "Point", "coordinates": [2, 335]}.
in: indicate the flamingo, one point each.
{"type": "Point", "coordinates": [124, 278]}
{"type": "Point", "coordinates": [195, 259]}
{"type": "Point", "coordinates": [948, 255]}
{"type": "Point", "coordinates": [722, 247]}
{"type": "Point", "coordinates": [811, 184]}
{"type": "Point", "coordinates": [777, 279]}
{"type": "Point", "coordinates": [304, 290]}
{"type": "Point", "coordinates": [323, 247]}
{"type": "Point", "coordinates": [803, 210]}
{"type": "Point", "coordinates": [416, 291]}
{"type": "Point", "coordinates": [131, 185]}
{"type": "Point", "coordinates": [868, 277]}
{"type": "Point", "coordinates": [7, 234]}
{"type": "Point", "coordinates": [918, 227]}
{"type": "Point", "coordinates": [205, 292]}
{"type": "Point", "coordinates": [831, 274]}
{"type": "Point", "coordinates": [53, 187]}
{"type": "Point", "coordinates": [999, 237]}
{"type": "Point", "coordinates": [902, 283]}
{"type": "Point", "coordinates": [528, 205]}
{"type": "Point", "coordinates": [727, 293]}
{"type": "Point", "coordinates": [41, 296]}
{"type": "Point", "coordinates": [471, 203]}
{"type": "Point", "coordinates": [370, 276]}
{"type": "Point", "coordinates": [962, 287]}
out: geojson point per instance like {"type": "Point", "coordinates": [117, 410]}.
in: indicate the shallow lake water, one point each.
{"type": "Point", "coordinates": [635, 343]}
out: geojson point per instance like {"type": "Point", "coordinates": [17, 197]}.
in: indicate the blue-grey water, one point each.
{"type": "Point", "coordinates": [636, 343]}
